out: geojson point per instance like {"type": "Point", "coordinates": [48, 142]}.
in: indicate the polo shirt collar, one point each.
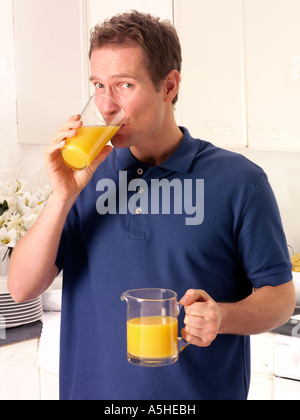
{"type": "Point", "coordinates": [180, 161]}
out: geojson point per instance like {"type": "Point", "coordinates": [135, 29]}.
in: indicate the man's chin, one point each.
{"type": "Point", "coordinates": [120, 142]}
{"type": "Point", "coordinates": [122, 139]}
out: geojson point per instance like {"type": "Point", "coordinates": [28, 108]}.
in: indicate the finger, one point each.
{"type": "Point", "coordinates": [195, 321]}
{"type": "Point", "coordinates": [203, 309]}
{"type": "Point", "coordinates": [71, 121]}
{"type": "Point", "coordinates": [68, 130]}
{"type": "Point", "coordinates": [63, 135]}
{"type": "Point", "coordinates": [55, 147]}
{"type": "Point", "coordinates": [200, 341]}
{"type": "Point", "coordinates": [100, 158]}
{"type": "Point", "coordinates": [52, 152]}
{"type": "Point", "coordinates": [195, 332]}
{"type": "Point", "coordinates": [104, 153]}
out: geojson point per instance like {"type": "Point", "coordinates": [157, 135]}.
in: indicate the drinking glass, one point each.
{"type": "Point", "coordinates": [102, 118]}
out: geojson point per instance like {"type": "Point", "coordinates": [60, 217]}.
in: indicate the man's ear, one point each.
{"type": "Point", "coordinates": [171, 85]}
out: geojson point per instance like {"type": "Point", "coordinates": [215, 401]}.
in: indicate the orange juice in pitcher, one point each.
{"type": "Point", "coordinates": [152, 337]}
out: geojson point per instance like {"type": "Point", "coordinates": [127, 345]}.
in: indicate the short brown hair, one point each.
{"type": "Point", "coordinates": [158, 40]}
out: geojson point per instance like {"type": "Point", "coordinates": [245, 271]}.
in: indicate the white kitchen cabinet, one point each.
{"type": "Point", "coordinates": [21, 378]}
{"type": "Point", "coordinates": [272, 31]}
{"type": "Point", "coordinates": [212, 97]}
{"type": "Point", "coordinates": [18, 372]}
{"type": "Point", "coordinates": [241, 71]}
{"type": "Point", "coordinates": [286, 390]}
{"type": "Point", "coordinates": [49, 386]}
{"type": "Point", "coordinates": [241, 66]}
{"type": "Point", "coordinates": [99, 10]}
{"type": "Point", "coordinates": [51, 65]}
{"type": "Point", "coordinates": [261, 388]}
{"type": "Point", "coordinates": [262, 353]}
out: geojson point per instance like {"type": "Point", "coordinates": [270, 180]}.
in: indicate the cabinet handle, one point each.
{"type": "Point", "coordinates": [219, 127]}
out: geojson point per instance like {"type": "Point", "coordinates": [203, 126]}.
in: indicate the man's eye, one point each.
{"type": "Point", "coordinates": [127, 85]}
{"type": "Point", "coordinates": [99, 86]}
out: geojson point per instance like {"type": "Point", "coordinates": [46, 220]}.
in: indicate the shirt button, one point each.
{"type": "Point", "coordinates": [138, 211]}
{"type": "Point", "coordinates": [141, 190]}
{"type": "Point", "coordinates": [140, 171]}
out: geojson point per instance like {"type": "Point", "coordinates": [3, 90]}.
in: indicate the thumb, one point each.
{"type": "Point", "coordinates": [100, 158]}
{"type": "Point", "coordinates": [193, 296]}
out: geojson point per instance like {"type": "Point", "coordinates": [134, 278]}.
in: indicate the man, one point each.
{"type": "Point", "coordinates": [219, 239]}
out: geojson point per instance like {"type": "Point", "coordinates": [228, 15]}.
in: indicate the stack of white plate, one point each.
{"type": "Point", "coordinates": [14, 314]}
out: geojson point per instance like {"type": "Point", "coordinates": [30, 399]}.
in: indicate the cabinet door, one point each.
{"type": "Point", "coordinates": [99, 10]}
{"type": "Point", "coordinates": [212, 102]}
{"type": "Point", "coordinates": [18, 372]}
{"type": "Point", "coordinates": [286, 390]}
{"type": "Point", "coordinates": [51, 65]}
{"type": "Point", "coordinates": [262, 354]}
{"type": "Point", "coordinates": [262, 367]}
{"type": "Point", "coordinates": [49, 386]}
{"type": "Point", "coordinates": [261, 388]}
{"type": "Point", "coordinates": [273, 73]}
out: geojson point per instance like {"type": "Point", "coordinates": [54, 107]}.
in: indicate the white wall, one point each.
{"type": "Point", "coordinates": [27, 161]}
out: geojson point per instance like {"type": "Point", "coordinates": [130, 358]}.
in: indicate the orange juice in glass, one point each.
{"type": "Point", "coordinates": [101, 118]}
{"type": "Point", "coordinates": [152, 327]}
{"type": "Point", "coordinates": [152, 337]}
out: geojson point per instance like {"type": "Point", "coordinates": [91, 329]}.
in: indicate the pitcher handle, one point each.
{"type": "Point", "coordinates": [182, 344]}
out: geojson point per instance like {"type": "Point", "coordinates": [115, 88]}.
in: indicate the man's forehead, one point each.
{"type": "Point", "coordinates": [125, 61]}
{"type": "Point", "coordinates": [130, 52]}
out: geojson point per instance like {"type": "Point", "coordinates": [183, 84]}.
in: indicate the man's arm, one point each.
{"type": "Point", "coordinates": [266, 309]}
{"type": "Point", "coordinates": [32, 267]}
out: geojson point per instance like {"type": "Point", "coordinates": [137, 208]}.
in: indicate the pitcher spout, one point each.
{"type": "Point", "coordinates": [124, 297]}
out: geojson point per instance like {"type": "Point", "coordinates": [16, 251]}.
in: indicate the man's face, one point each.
{"type": "Point", "coordinates": [120, 72]}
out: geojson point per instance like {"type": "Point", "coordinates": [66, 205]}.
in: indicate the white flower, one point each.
{"type": "Point", "coordinates": [8, 238]}
{"type": "Point", "coordinates": [19, 210]}
{"type": "Point", "coordinates": [29, 221]}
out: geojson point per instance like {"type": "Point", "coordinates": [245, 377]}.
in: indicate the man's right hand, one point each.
{"type": "Point", "coordinates": [67, 183]}
{"type": "Point", "coordinates": [32, 266]}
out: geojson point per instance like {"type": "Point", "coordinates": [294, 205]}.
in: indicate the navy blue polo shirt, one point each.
{"type": "Point", "coordinates": [204, 219]}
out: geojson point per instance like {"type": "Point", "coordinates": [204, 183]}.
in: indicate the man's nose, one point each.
{"type": "Point", "coordinates": [108, 108]}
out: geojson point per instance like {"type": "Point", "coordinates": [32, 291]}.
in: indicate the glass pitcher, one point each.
{"type": "Point", "coordinates": [152, 327]}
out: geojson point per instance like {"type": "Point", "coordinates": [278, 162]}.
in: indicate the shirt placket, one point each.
{"type": "Point", "coordinates": [137, 227]}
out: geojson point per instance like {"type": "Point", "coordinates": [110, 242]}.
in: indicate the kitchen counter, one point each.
{"type": "Point", "coordinates": [291, 328]}
{"type": "Point", "coordinates": [22, 333]}
{"type": "Point", "coordinates": [34, 330]}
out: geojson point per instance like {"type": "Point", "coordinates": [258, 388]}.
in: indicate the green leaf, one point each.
{"type": "Point", "coordinates": [3, 207]}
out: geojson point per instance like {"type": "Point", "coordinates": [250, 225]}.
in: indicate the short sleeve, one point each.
{"type": "Point", "coordinates": [261, 242]}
